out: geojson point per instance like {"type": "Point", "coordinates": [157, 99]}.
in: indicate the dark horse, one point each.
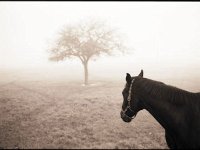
{"type": "Point", "coordinates": [177, 110]}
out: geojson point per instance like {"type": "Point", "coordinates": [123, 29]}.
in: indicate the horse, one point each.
{"type": "Point", "coordinates": [175, 109]}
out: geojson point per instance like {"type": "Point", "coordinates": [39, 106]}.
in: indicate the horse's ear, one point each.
{"type": "Point", "coordinates": [141, 73]}
{"type": "Point", "coordinates": [128, 78]}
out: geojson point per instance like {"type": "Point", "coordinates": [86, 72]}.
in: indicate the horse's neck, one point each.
{"type": "Point", "coordinates": [163, 111]}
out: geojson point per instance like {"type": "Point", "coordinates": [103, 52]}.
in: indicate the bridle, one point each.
{"type": "Point", "coordinates": [128, 107]}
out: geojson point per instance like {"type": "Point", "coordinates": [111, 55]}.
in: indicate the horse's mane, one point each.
{"type": "Point", "coordinates": [169, 93]}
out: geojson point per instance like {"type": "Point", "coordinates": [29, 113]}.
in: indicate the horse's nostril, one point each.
{"type": "Point", "coordinates": [121, 114]}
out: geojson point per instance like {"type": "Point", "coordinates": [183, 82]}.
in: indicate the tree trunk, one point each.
{"type": "Point", "coordinates": [85, 64]}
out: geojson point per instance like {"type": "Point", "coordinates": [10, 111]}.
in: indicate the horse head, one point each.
{"type": "Point", "coordinates": [131, 104]}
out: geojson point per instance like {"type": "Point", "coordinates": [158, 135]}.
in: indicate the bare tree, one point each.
{"type": "Point", "coordinates": [85, 41]}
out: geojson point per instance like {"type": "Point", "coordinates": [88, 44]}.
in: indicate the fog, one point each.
{"type": "Point", "coordinates": [163, 38]}
{"type": "Point", "coordinates": [48, 104]}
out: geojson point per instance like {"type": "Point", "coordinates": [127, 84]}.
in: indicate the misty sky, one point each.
{"type": "Point", "coordinates": [162, 34]}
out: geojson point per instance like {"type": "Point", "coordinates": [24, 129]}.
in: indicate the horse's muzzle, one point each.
{"type": "Point", "coordinates": [124, 117]}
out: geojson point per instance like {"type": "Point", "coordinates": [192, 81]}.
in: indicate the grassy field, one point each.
{"type": "Point", "coordinates": [44, 114]}
{"type": "Point", "coordinates": [64, 114]}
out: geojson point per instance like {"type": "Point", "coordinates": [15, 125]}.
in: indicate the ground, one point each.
{"type": "Point", "coordinates": [63, 114]}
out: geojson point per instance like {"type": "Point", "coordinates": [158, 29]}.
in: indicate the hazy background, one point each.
{"type": "Point", "coordinates": [44, 105]}
{"type": "Point", "coordinates": [164, 37]}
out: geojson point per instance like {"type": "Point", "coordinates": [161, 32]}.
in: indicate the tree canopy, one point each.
{"type": "Point", "coordinates": [85, 40]}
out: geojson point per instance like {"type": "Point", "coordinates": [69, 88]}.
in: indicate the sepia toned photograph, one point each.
{"type": "Point", "coordinates": [99, 75]}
